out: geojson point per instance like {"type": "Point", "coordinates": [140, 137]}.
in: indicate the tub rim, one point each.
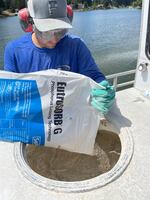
{"type": "Point", "coordinates": [127, 148]}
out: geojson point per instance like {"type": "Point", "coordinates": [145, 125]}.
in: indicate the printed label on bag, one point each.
{"type": "Point", "coordinates": [55, 115]}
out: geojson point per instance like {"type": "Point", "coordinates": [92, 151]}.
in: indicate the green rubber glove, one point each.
{"type": "Point", "coordinates": [103, 98]}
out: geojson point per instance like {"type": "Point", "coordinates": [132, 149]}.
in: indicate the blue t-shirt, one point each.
{"type": "Point", "coordinates": [22, 56]}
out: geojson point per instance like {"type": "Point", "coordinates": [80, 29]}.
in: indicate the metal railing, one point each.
{"type": "Point", "coordinates": [115, 77]}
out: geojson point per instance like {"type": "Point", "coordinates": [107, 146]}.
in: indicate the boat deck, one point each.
{"type": "Point", "coordinates": [131, 112]}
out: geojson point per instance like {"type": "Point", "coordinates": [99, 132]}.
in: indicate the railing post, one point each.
{"type": "Point", "coordinates": [115, 82]}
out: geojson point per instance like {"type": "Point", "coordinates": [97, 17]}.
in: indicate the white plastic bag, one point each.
{"type": "Point", "coordinates": [50, 108]}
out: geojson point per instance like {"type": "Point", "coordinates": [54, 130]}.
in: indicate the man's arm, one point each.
{"type": "Point", "coordinates": [103, 97]}
{"type": "Point", "coordinates": [9, 58]}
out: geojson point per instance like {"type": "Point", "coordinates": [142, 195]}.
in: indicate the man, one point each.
{"type": "Point", "coordinates": [49, 46]}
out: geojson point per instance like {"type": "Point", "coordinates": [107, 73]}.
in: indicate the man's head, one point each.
{"type": "Point", "coordinates": [50, 21]}
{"type": "Point", "coordinates": [49, 14]}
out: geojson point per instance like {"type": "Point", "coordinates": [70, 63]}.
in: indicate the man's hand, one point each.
{"type": "Point", "coordinates": [102, 99]}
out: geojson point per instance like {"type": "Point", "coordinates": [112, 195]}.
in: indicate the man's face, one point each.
{"type": "Point", "coordinates": [49, 39]}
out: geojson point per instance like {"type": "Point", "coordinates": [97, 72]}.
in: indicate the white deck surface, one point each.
{"type": "Point", "coordinates": [133, 112]}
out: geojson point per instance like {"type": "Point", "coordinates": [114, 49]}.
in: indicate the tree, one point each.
{"type": "Point", "coordinates": [137, 3]}
{"type": "Point", "coordinates": [13, 4]}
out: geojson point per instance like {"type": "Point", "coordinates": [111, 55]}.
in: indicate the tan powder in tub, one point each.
{"type": "Point", "coordinates": [66, 166]}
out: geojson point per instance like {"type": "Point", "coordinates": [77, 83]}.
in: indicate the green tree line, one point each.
{"type": "Point", "coordinates": [18, 4]}
{"type": "Point", "coordinates": [107, 2]}
{"type": "Point", "coordinates": [12, 4]}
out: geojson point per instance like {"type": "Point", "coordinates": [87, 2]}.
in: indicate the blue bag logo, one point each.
{"type": "Point", "coordinates": [21, 117]}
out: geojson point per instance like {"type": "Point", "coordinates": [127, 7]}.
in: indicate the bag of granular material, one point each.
{"type": "Point", "coordinates": [50, 108]}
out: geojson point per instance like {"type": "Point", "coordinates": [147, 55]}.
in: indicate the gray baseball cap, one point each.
{"type": "Point", "coordinates": [49, 14]}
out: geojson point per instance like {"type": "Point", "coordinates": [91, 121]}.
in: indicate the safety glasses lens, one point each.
{"type": "Point", "coordinates": [48, 35]}
{"type": "Point", "coordinates": [60, 34]}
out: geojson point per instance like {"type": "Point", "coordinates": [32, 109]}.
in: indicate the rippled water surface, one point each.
{"type": "Point", "coordinates": [112, 36]}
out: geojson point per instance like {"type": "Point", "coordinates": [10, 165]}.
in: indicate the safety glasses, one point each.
{"type": "Point", "coordinates": [48, 35]}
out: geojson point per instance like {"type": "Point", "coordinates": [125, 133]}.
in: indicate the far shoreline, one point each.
{"type": "Point", "coordinates": [9, 13]}
{"type": "Point", "coordinates": [107, 8]}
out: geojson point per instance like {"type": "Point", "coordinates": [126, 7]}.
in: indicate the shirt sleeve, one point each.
{"type": "Point", "coordinates": [87, 65]}
{"type": "Point", "coordinates": [9, 58]}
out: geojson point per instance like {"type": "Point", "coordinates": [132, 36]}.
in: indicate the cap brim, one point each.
{"type": "Point", "coordinates": [52, 24]}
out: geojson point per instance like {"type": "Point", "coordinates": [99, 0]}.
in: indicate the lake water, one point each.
{"type": "Point", "coordinates": [111, 35]}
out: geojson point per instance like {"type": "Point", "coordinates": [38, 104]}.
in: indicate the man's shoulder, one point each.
{"type": "Point", "coordinates": [21, 42]}
{"type": "Point", "coordinates": [73, 38]}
